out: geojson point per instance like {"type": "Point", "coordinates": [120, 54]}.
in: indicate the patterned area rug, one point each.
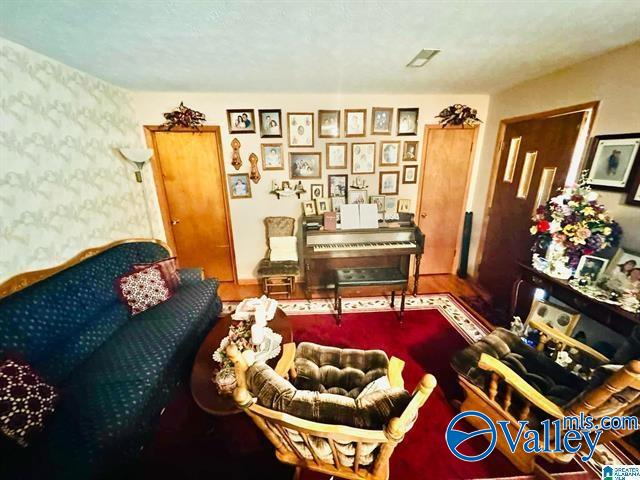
{"type": "Point", "coordinates": [460, 318]}
{"type": "Point", "coordinates": [192, 444]}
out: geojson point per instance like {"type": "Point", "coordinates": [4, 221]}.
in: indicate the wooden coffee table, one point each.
{"type": "Point", "coordinates": [203, 390]}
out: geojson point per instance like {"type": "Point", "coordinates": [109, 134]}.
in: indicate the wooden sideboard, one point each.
{"type": "Point", "coordinates": [612, 316]}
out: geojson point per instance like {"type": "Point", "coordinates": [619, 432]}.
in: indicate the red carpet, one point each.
{"type": "Point", "coordinates": [191, 444]}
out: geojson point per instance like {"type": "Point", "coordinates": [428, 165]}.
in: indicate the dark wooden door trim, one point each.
{"type": "Point", "coordinates": [593, 106]}
{"type": "Point", "coordinates": [149, 131]}
{"type": "Point", "coordinates": [422, 172]}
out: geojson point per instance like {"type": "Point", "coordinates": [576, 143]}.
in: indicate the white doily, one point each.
{"type": "Point", "coordinates": [268, 349]}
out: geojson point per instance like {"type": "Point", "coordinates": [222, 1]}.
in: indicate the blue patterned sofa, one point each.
{"type": "Point", "coordinates": [115, 372]}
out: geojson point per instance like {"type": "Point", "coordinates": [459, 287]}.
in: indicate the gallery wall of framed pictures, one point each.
{"type": "Point", "coordinates": [372, 152]}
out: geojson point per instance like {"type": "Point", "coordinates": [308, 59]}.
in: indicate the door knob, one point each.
{"type": "Point", "coordinates": [175, 222]}
{"type": "Point", "coordinates": [423, 215]}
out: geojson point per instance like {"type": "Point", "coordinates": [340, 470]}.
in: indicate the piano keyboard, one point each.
{"type": "Point", "coordinates": [335, 247]}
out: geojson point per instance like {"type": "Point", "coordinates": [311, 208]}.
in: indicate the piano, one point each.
{"type": "Point", "coordinates": [386, 246]}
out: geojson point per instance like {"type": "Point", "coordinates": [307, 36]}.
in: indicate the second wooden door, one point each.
{"type": "Point", "coordinates": [445, 173]}
{"type": "Point", "coordinates": [195, 201]}
{"type": "Point", "coordinates": [541, 153]}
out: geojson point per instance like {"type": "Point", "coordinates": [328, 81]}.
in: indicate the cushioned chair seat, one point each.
{"type": "Point", "coordinates": [370, 411]}
{"type": "Point", "coordinates": [537, 369]}
{"type": "Point", "coordinates": [267, 268]}
{"type": "Point", "coordinates": [341, 371]}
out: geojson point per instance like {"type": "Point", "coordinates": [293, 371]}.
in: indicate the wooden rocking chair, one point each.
{"type": "Point", "coordinates": [338, 450]}
{"type": "Point", "coordinates": [493, 386]}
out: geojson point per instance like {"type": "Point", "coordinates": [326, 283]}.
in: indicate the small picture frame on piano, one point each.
{"type": "Point", "coordinates": [336, 202]}
{"type": "Point", "coordinates": [309, 207]}
{"type": "Point", "coordinates": [404, 205]}
{"type": "Point", "coordinates": [323, 205]}
{"type": "Point", "coordinates": [379, 201]}
{"type": "Point", "coordinates": [390, 204]}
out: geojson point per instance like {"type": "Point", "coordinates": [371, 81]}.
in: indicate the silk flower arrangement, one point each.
{"type": "Point", "coordinates": [570, 225]}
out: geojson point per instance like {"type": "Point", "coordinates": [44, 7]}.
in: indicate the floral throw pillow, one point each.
{"type": "Point", "coordinates": [168, 268]}
{"type": "Point", "coordinates": [26, 401]}
{"type": "Point", "coordinates": [143, 289]}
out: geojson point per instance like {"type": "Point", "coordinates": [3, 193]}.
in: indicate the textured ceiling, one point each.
{"type": "Point", "coordinates": [319, 46]}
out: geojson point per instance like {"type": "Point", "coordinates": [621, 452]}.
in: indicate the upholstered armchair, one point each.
{"type": "Point", "coordinates": [508, 380]}
{"type": "Point", "coordinates": [278, 276]}
{"type": "Point", "coordinates": [342, 411]}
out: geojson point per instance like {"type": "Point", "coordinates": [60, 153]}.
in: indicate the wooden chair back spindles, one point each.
{"type": "Point", "coordinates": [627, 377]}
{"type": "Point", "coordinates": [288, 433]}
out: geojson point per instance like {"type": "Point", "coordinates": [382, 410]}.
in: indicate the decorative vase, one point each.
{"type": "Point", "coordinates": [225, 380]}
{"type": "Point", "coordinates": [558, 262]}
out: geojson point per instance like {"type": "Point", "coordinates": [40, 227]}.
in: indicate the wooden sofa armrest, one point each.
{"type": "Point", "coordinates": [567, 340]}
{"type": "Point", "coordinates": [492, 364]}
{"type": "Point", "coordinates": [285, 364]}
{"type": "Point", "coordinates": [394, 372]}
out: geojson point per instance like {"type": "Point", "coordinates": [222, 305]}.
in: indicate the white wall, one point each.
{"type": "Point", "coordinates": [63, 187]}
{"type": "Point", "coordinates": [614, 79]}
{"type": "Point", "coordinates": [248, 214]}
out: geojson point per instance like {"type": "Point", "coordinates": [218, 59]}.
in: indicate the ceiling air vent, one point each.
{"type": "Point", "coordinates": [421, 59]}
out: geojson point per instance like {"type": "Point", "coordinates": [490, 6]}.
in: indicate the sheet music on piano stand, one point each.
{"type": "Point", "coordinates": [368, 215]}
{"type": "Point", "coordinates": [349, 216]}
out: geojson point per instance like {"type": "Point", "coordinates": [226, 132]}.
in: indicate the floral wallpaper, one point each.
{"type": "Point", "coordinates": [63, 186]}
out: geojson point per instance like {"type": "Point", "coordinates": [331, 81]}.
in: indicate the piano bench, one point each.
{"type": "Point", "coordinates": [370, 276]}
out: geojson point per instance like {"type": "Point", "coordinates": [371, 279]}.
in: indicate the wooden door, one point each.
{"type": "Point", "coordinates": [546, 146]}
{"type": "Point", "coordinates": [190, 171]}
{"type": "Point", "coordinates": [443, 186]}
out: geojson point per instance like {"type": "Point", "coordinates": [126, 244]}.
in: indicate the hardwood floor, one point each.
{"type": "Point", "coordinates": [428, 284]}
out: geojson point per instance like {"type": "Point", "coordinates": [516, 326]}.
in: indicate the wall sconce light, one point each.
{"type": "Point", "coordinates": [137, 157]}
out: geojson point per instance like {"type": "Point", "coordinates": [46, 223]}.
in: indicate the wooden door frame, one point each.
{"type": "Point", "coordinates": [472, 154]}
{"type": "Point", "coordinates": [497, 153]}
{"type": "Point", "coordinates": [149, 133]}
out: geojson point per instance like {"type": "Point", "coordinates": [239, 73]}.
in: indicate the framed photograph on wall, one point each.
{"type": "Point", "coordinates": [381, 119]}
{"type": "Point", "coordinates": [328, 123]}
{"type": "Point", "coordinates": [305, 165]}
{"type": "Point", "coordinates": [355, 122]}
{"type": "Point", "coordinates": [363, 157]}
{"type": "Point", "coordinates": [317, 190]}
{"type": "Point", "coordinates": [338, 185]}
{"type": "Point", "coordinates": [407, 121]}
{"type": "Point", "coordinates": [378, 200]}
{"type": "Point", "coordinates": [611, 160]}
{"type": "Point", "coordinates": [300, 129]}
{"type": "Point", "coordinates": [389, 154]}
{"type": "Point", "coordinates": [410, 174]}
{"type": "Point", "coordinates": [336, 156]}
{"type": "Point", "coordinates": [410, 151]}
{"type": "Point", "coordinates": [357, 196]}
{"type": "Point", "coordinates": [272, 158]}
{"type": "Point", "coordinates": [270, 123]}
{"type": "Point", "coordinates": [239, 186]}
{"type": "Point", "coordinates": [389, 183]}
{"type": "Point", "coordinates": [241, 121]}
